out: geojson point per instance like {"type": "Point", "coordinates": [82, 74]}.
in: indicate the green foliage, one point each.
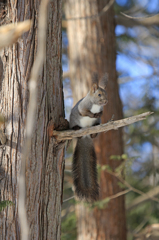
{"type": "Point", "coordinates": [68, 227]}
{"type": "Point", "coordinates": [121, 185]}
{"type": "Point", "coordinates": [101, 204]}
{"type": "Point", "coordinates": [4, 204]}
{"type": "Point", "coordinates": [106, 167]}
{"type": "Point", "coordinates": [119, 157]}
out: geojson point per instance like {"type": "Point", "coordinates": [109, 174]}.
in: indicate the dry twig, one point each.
{"type": "Point", "coordinates": [129, 21]}
{"type": "Point", "coordinates": [69, 134]}
{"type": "Point", "coordinates": [130, 188]}
{"type": "Point", "coordinates": [143, 198]}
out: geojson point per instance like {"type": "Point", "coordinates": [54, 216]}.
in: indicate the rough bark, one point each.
{"type": "Point", "coordinates": [44, 166]}
{"type": "Point", "coordinates": [92, 48]}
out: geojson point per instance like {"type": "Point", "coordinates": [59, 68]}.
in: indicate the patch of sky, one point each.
{"type": "Point", "coordinates": [119, 30]}
{"type": "Point", "coordinates": [136, 166]}
{"type": "Point", "coordinates": [64, 38]}
{"type": "Point", "coordinates": [146, 149]}
{"type": "Point", "coordinates": [137, 71]}
{"type": "Point", "coordinates": [142, 3]}
{"type": "Point", "coordinates": [141, 154]}
{"type": "Point", "coordinates": [68, 101]}
{"type": "Point", "coordinates": [122, 2]}
{"type": "Point", "coordinates": [131, 32]}
{"type": "Point", "coordinates": [152, 6]}
{"type": "Point", "coordinates": [132, 67]}
{"type": "Point", "coordinates": [65, 65]}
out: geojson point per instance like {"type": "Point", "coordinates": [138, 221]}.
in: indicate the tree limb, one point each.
{"type": "Point", "coordinates": [131, 188]}
{"type": "Point", "coordinates": [132, 21]}
{"type": "Point", "coordinates": [69, 134]}
{"type": "Point", "coordinates": [143, 198]}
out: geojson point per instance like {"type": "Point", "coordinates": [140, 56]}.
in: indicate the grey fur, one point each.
{"type": "Point", "coordinates": [84, 170]}
{"type": "Point", "coordinates": [84, 158]}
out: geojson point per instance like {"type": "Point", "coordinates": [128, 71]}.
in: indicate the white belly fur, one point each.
{"type": "Point", "coordinates": [95, 108]}
{"type": "Point", "coordinates": [87, 121]}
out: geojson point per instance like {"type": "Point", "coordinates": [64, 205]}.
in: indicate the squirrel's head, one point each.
{"type": "Point", "coordinates": [98, 95]}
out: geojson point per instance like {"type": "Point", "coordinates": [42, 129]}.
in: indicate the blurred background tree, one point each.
{"type": "Point", "coordinates": [137, 48]}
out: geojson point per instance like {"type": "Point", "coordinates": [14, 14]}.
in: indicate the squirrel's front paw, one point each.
{"type": "Point", "coordinates": [98, 115]}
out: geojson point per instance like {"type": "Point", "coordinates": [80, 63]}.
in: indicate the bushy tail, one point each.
{"type": "Point", "coordinates": [85, 170]}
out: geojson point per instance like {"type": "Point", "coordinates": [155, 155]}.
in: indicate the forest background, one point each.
{"type": "Point", "coordinates": [137, 49]}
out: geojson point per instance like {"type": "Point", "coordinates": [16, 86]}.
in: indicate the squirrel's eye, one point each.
{"type": "Point", "coordinates": [99, 95]}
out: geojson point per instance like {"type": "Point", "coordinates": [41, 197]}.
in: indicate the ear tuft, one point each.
{"type": "Point", "coordinates": [104, 81]}
{"type": "Point", "coordinates": [95, 78]}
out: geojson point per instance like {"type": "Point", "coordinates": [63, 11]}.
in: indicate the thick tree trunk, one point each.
{"type": "Point", "coordinates": [92, 48]}
{"type": "Point", "coordinates": [44, 166]}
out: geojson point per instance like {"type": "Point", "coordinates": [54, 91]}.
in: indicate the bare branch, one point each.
{"type": "Point", "coordinates": [68, 199]}
{"type": "Point", "coordinates": [152, 193]}
{"type": "Point", "coordinates": [119, 194]}
{"type": "Point", "coordinates": [141, 18]}
{"type": "Point", "coordinates": [11, 32]}
{"type": "Point", "coordinates": [146, 195]}
{"type": "Point", "coordinates": [128, 21]}
{"type": "Point", "coordinates": [137, 191]}
{"type": "Point", "coordinates": [110, 197]}
{"type": "Point", "coordinates": [69, 134]}
{"type": "Point", "coordinates": [31, 114]}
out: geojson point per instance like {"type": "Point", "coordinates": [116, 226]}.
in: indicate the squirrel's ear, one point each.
{"type": "Point", "coordinates": [104, 81]}
{"type": "Point", "coordinates": [94, 88]}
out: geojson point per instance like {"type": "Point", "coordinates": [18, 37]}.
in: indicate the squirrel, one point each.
{"type": "Point", "coordinates": [87, 113]}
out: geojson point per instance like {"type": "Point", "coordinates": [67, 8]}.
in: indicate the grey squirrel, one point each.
{"type": "Point", "coordinates": [87, 113]}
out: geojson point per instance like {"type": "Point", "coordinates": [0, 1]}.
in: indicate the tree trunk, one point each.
{"type": "Point", "coordinates": [44, 166]}
{"type": "Point", "coordinates": [92, 49]}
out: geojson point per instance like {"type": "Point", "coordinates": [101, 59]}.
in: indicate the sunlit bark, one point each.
{"type": "Point", "coordinates": [92, 48]}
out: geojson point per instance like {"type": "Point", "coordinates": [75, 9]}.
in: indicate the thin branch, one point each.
{"type": "Point", "coordinates": [145, 195]}
{"type": "Point", "coordinates": [138, 191]}
{"type": "Point", "coordinates": [119, 194]}
{"type": "Point", "coordinates": [31, 114]}
{"type": "Point", "coordinates": [68, 199]}
{"type": "Point", "coordinates": [141, 199]}
{"type": "Point", "coordinates": [128, 21]}
{"type": "Point", "coordinates": [69, 134]}
{"type": "Point", "coordinates": [110, 197]}
{"type": "Point", "coordinates": [141, 18]}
